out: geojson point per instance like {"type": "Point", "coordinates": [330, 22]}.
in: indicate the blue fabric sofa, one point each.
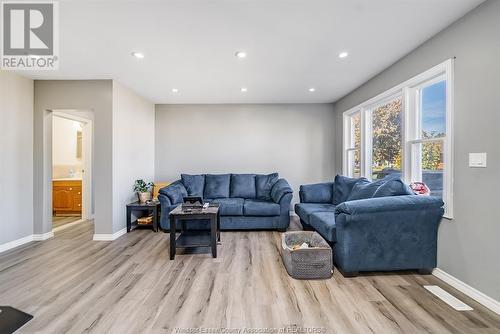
{"type": "Point", "coordinates": [373, 226]}
{"type": "Point", "coordinates": [246, 201]}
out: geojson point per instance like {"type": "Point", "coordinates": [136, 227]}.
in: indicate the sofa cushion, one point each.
{"type": "Point", "coordinates": [364, 189]}
{"type": "Point", "coordinates": [256, 207]}
{"type": "Point", "coordinates": [264, 184]}
{"type": "Point", "coordinates": [243, 185]}
{"type": "Point", "coordinates": [230, 206]}
{"type": "Point", "coordinates": [175, 192]}
{"type": "Point", "coordinates": [342, 188]}
{"type": "Point", "coordinates": [217, 186]}
{"type": "Point", "coordinates": [316, 193]}
{"type": "Point", "coordinates": [194, 184]}
{"type": "Point", "coordinates": [324, 224]}
{"type": "Point", "coordinates": [305, 209]}
{"type": "Point", "coordinates": [393, 187]}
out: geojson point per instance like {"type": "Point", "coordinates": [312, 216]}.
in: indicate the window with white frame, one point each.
{"type": "Point", "coordinates": [406, 131]}
{"type": "Point", "coordinates": [353, 149]}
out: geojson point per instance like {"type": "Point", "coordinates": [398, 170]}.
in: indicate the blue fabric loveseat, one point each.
{"type": "Point", "coordinates": [246, 201]}
{"type": "Point", "coordinates": [373, 226]}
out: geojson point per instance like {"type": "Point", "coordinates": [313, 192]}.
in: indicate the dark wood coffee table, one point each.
{"type": "Point", "coordinates": [191, 239]}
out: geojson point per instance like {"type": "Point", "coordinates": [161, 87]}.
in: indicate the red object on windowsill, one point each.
{"type": "Point", "coordinates": [420, 188]}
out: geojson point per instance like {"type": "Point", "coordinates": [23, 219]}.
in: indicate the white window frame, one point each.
{"type": "Point", "coordinates": [348, 141]}
{"type": "Point", "coordinates": [410, 125]}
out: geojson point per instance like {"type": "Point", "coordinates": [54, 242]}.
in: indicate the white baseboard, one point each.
{"type": "Point", "coordinates": [44, 236]}
{"type": "Point", "coordinates": [110, 237]}
{"type": "Point", "coordinates": [478, 296]}
{"type": "Point", "coordinates": [15, 243]}
{"type": "Point", "coordinates": [19, 242]}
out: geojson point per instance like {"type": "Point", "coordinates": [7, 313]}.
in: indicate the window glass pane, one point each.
{"type": "Point", "coordinates": [354, 146]}
{"type": "Point", "coordinates": [429, 166]}
{"type": "Point", "coordinates": [432, 167]}
{"type": "Point", "coordinates": [433, 110]}
{"type": "Point", "coordinates": [386, 139]}
{"type": "Point", "coordinates": [356, 122]}
{"type": "Point", "coordinates": [356, 126]}
{"type": "Point", "coordinates": [354, 163]}
{"type": "Point", "coordinates": [357, 164]}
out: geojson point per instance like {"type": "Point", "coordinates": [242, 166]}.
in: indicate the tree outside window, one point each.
{"type": "Point", "coordinates": [386, 139]}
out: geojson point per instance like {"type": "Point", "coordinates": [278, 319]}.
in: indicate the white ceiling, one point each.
{"type": "Point", "coordinates": [292, 45]}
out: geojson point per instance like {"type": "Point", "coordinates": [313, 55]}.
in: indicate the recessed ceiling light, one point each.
{"type": "Point", "coordinates": [138, 55]}
{"type": "Point", "coordinates": [175, 90]}
{"type": "Point", "coordinates": [244, 89]}
{"type": "Point", "coordinates": [312, 89]}
{"type": "Point", "coordinates": [241, 54]}
{"type": "Point", "coordinates": [343, 54]}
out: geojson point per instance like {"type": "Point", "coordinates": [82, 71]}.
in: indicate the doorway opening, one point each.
{"type": "Point", "coordinates": [71, 169]}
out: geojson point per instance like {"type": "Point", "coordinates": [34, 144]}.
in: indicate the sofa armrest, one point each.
{"type": "Point", "coordinates": [166, 207]}
{"type": "Point", "coordinates": [390, 203]}
{"type": "Point", "coordinates": [282, 194]}
{"type": "Point", "coordinates": [280, 189]}
{"type": "Point", "coordinates": [387, 233]}
{"type": "Point", "coordinates": [175, 192]}
{"type": "Point", "coordinates": [316, 193]}
{"type": "Point", "coordinates": [164, 200]}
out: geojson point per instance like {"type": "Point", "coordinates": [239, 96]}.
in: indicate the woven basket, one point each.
{"type": "Point", "coordinates": [309, 263]}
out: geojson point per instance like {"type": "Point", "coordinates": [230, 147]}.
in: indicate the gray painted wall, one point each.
{"type": "Point", "coordinates": [16, 157]}
{"type": "Point", "coordinates": [295, 140]}
{"type": "Point", "coordinates": [468, 246]}
{"type": "Point", "coordinates": [94, 95]}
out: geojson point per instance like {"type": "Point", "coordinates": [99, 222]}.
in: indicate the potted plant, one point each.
{"type": "Point", "coordinates": [143, 190]}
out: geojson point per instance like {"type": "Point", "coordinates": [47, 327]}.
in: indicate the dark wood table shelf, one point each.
{"type": "Point", "coordinates": [152, 207]}
{"type": "Point", "coordinates": [194, 238]}
{"type": "Point", "coordinates": [135, 225]}
{"type": "Point", "coordinates": [189, 239]}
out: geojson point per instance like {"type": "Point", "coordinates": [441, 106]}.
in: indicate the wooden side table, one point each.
{"type": "Point", "coordinates": [153, 207]}
{"type": "Point", "coordinates": [193, 239]}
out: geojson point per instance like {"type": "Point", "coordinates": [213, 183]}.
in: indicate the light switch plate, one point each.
{"type": "Point", "coordinates": [477, 160]}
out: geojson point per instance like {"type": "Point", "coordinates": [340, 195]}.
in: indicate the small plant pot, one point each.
{"type": "Point", "coordinates": [143, 197]}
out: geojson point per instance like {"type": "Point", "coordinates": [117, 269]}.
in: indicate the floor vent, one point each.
{"type": "Point", "coordinates": [454, 302]}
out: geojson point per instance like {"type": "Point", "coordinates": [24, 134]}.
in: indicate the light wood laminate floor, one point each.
{"type": "Point", "coordinates": [72, 284]}
{"type": "Point", "coordinates": [58, 221]}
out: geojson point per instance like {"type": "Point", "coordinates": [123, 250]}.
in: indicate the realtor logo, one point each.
{"type": "Point", "coordinates": [29, 35]}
